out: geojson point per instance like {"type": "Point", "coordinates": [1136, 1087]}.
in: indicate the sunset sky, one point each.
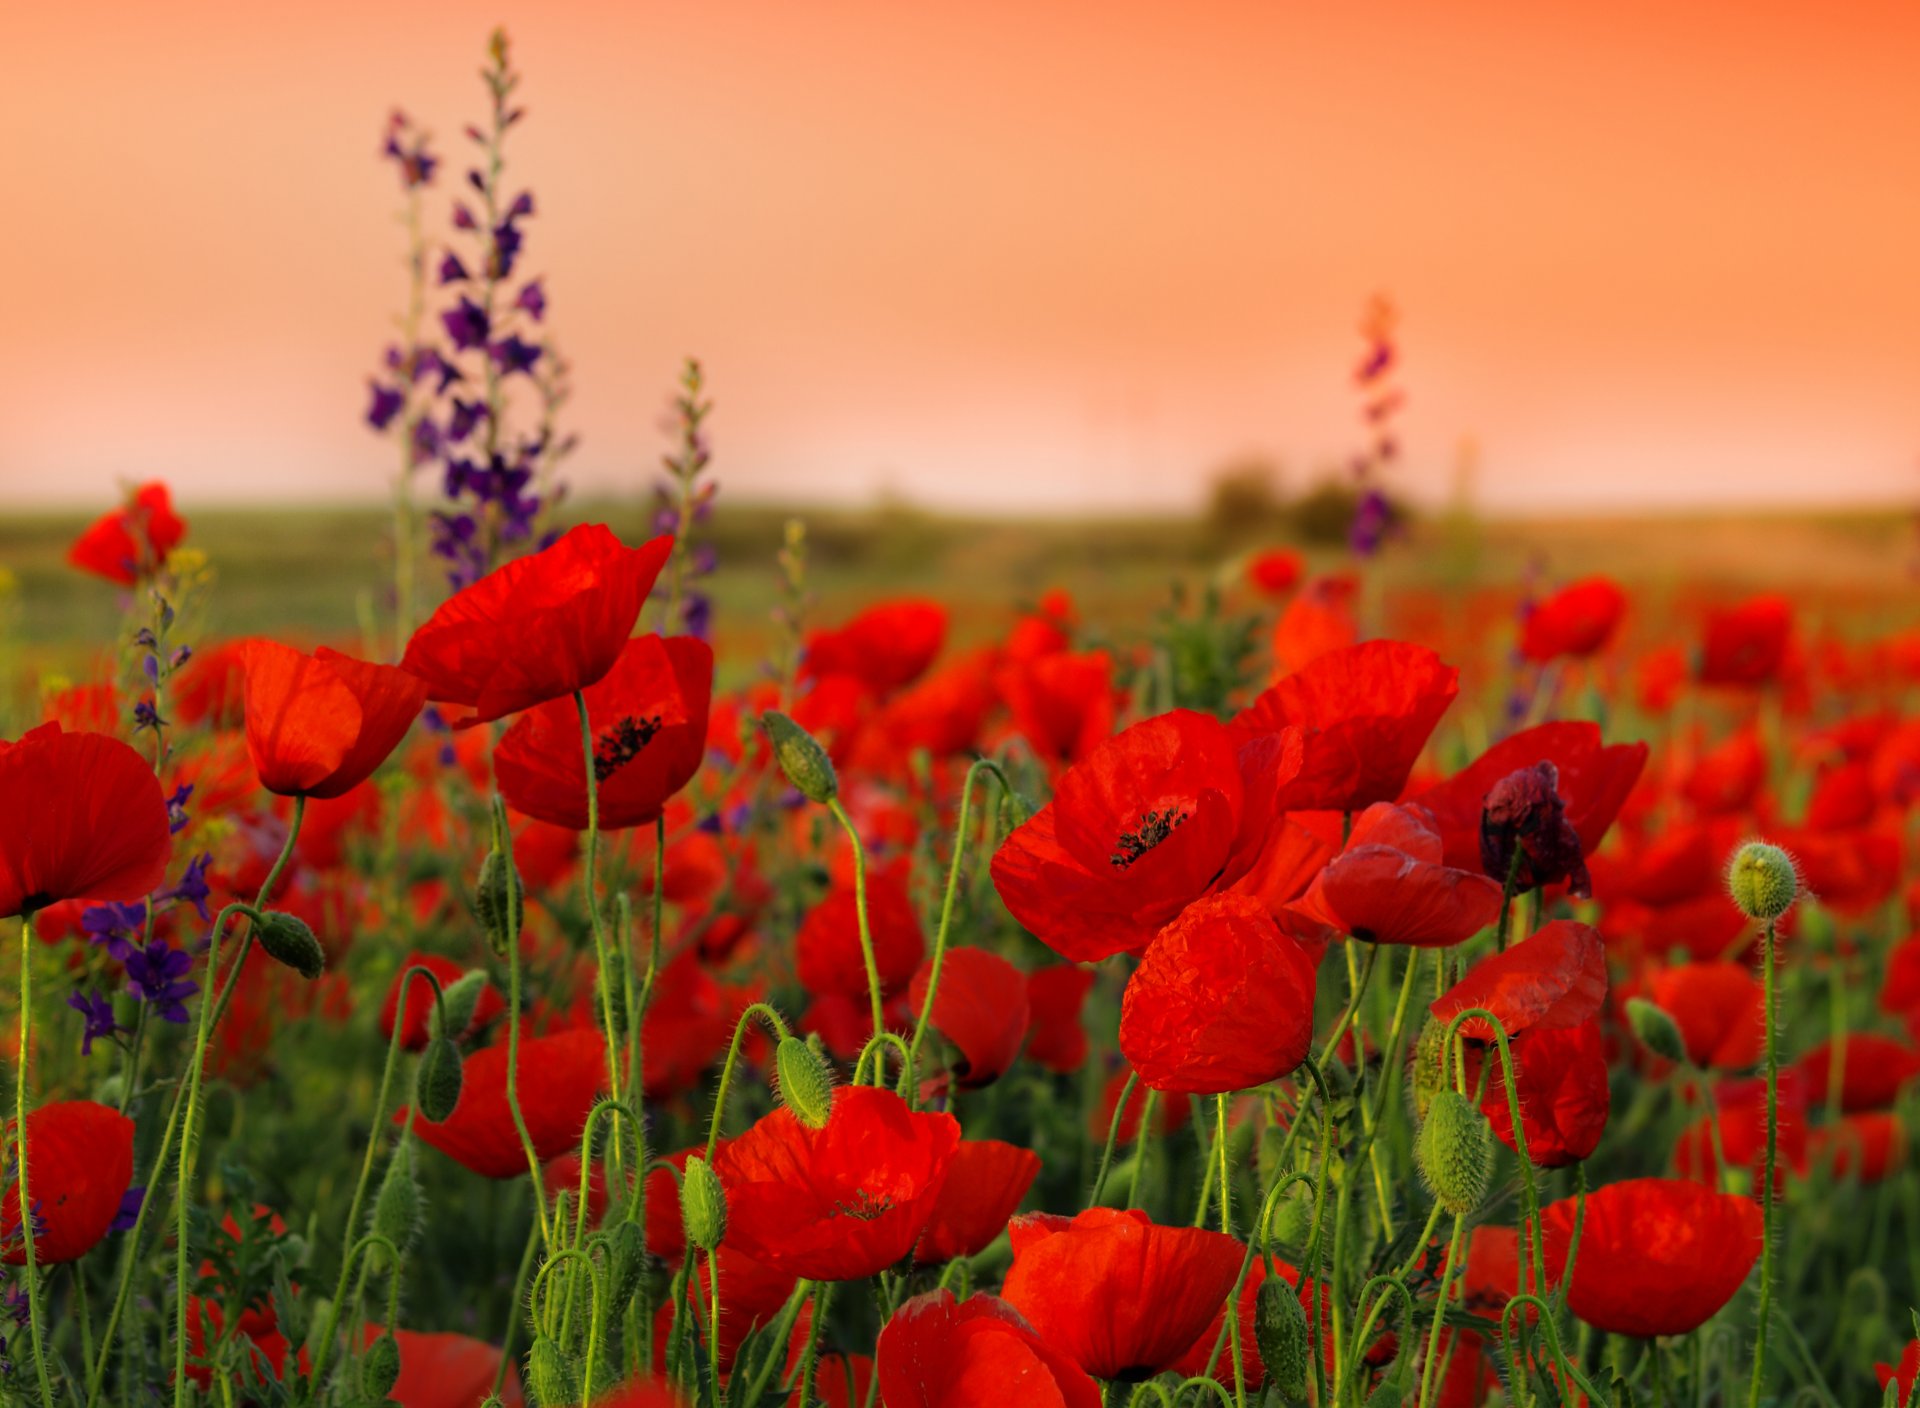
{"type": "Point", "coordinates": [1027, 256]}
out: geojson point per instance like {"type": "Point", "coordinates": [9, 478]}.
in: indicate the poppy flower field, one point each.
{"type": "Point", "coordinates": [1333, 988]}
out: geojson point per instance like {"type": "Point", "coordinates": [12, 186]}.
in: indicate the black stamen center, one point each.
{"type": "Point", "coordinates": [865, 1207]}
{"type": "Point", "coordinates": [621, 744]}
{"type": "Point", "coordinates": [1154, 828]}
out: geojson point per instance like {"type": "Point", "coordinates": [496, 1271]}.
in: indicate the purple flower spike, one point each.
{"type": "Point", "coordinates": [98, 1013]}
{"type": "Point", "coordinates": [513, 354]}
{"type": "Point", "coordinates": [386, 405]}
{"type": "Point", "coordinates": [466, 324]}
{"type": "Point", "coordinates": [452, 271]}
{"type": "Point", "coordinates": [532, 301]}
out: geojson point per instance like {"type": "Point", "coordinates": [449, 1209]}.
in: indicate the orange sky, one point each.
{"type": "Point", "coordinates": [1033, 255]}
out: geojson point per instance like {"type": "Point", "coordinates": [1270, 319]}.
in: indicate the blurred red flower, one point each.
{"type": "Point", "coordinates": [983, 1188]}
{"type": "Point", "coordinates": [885, 648]}
{"type": "Point", "coordinates": [1746, 644]}
{"type": "Point", "coordinates": [827, 955]}
{"type": "Point", "coordinates": [1565, 1098]}
{"type": "Point", "coordinates": [560, 1077]}
{"type": "Point", "coordinates": [446, 1370]}
{"type": "Point", "coordinates": [420, 1004]}
{"type": "Point", "coordinates": [1056, 1037]}
{"type": "Point", "coordinates": [79, 1163]}
{"type": "Point", "coordinates": [936, 1353]}
{"type": "Point", "coordinates": [1577, 620]}
{"type": "Point", "coordinates": [981, 1007]}
{"type": "Point", "coordinates": [132, 541]}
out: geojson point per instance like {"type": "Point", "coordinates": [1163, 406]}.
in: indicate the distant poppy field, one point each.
{"type": "Point", "coordinates": [1331, 988]}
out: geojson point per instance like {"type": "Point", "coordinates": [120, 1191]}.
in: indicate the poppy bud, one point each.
{"type": "Point", "coordinates": [1392, 1389]}
{"type": "Point", "coordinates": [490, 900]}
{"type": "Point", "coordinates": [550, 1375]}
{"type": "Point", "coordinates": [288, 940]}
{"type": "Point", "coordinates": [1280, 1330]}
{"type": "Point", "coordinates": [801, 758]}
{"type": "Point", "coordinates": [628, 1262]}
{"type": "Point", "coordinates": [1292, 1221]}
{"type": "Point", "coordinates": [1429, 1067]}
{"type": "Point", "coordinates": [436, 1085]}
{"type": "Point", "coordinates": [1656, 1029]}
{"type": "Point", "coordinates": [396, 1208]}
{"type": "Point", "coordinates": [806, 1085]}
{"type": "Point", "coordinates": [458, 1001]}
{"type": "Point", "coordinates": [1016, 809]}
{"type": "Point", "coordinates": [380, 1367]}
{"type": "Point", "coordinates": [703, 1205]}
{"type": "Point", "coordinates": [1763, 880]}
{"type": "Point", "coordinates": [1455, 1152]}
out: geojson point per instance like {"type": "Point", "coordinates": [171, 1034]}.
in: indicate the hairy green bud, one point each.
{"type": "Point", "coordinates": [490, 900]}
{"type": "Point", "coordinates": [550, 1374]}
{"type": "Point", "coordinates": [806, 1085]}
{"type": "Point", "coordinates": [1455, 1152]}
{"type": "Point", "coordinates": [1429, 1067]}
{"type": "Point", "coordinates": [380, 1367]}
{"type": "Point", "coordinates": [627, 1260]}
{"type": "Point", "coordinates": [801, 758]}
{"type": "Point", "coordinates": [1656, 1029]}
{"type": "Point", "coordinates": [288, 940]}
{"type": "Point", "coordinates": [437, 1083]}
{"type": "Point", "coordinates": [1763, 880]}
{"type": "Point", "coordinates": [458, 1001]}
{"type": "Point", "coordinates": [397, 1208]}
{"type": "Point", "coordinates": [1280, 1330]}
{"type": "Point", "coordinates": [703, 1205]}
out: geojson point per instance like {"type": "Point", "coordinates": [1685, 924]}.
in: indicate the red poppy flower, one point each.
{"type": "Point", "coordinates": [414, 1027]}
{"type": "Point", "coordinates": [981, 1008]}
{"type": "Point", "coordinates": [1556, 978]}
{"type": "Point", "coordinates": [1364, 713]}
{"type": "Point", "coordinates": [648, 715]}
{"type": "Point", "coordinates": [1592, 778]}
{"type": "Point", "coordinates": [1843, 798]}
{"type": "Point", "coordinates": [1064, 704]}
{"type": "Point", "coordinates": [1851, 871]}
{"type": "Point", "coordinates": [1726, 779]}
{"type": "Point", "coordinates": [1742, 1108]}
{"type": "Point", "coordinates": [842, 1202]}
{"type": "Point", "coordinates": [267, 1349]}
{"type": "Point", "coordinates": [1658, 1256]}
{"type": "Point", "coordinates": [1390, 886]}
{"type": "Point", "coordinates": [1253, 1369]}
{"type": "Point", "coordinates": [1576, 620]}
{"type": "Point", "coordinates": [84, 708]}
{"type": "Point", "coordinates": [1153, 819]}
{"type": "Point", "coordinates": [1719, 1011]}
{"type": "Point", "coordinates": [1904, 1373]}
{"type": "Point", "coordinates": [827, 954]}
{"type": "Point", "coordinates": [446, 1370]}
{"type": "Point", "coordinates": [1872, 1070]}
{"type": "Point", "coordinates": [1746, 644]}
{"type": "Point", "coordinates": [133, 540]}
{"type": "Point", "coordinates": [641, 1393]}
{"type": "Point", "coordinates": [538, 628]}
{"type": "Point", "coordinates": [1056, 1037]}
{"type": "Point", "coordinates": [81, 817]}
{"type": "Point", "coordinates": [1276, 571]}
{"type": "Point", "coordinates": [1564, 1094]}
{"type": "Point", "coordinates": [1317, 621]}
{"type": "Point", "coordinates": [1119, 1295]}
{"type": "Point", "coordinates": [752, 1295]}
{"type": "Point", "coordinates": [839, 1380]}
{"type": "Point", "coordinates": [983, 1188]}
{"type": "Point", "coordinates": [885, 647]}
{"type": "Point", "coordinates": [211, 687]}
{"type": "Point", "coordinates": [1221, 1001]}
{"type": "Point", "coordinates": [319, 724]}
{"type": "Point", "coordinates": [560, 1078]}
{"type": "Point", "coordinates": [936, 1353]}
{"type": "Point", "coordinates": [942, 714]}
{"type": "Point", "coordinates": [79, 1163]}
{"type": "Point", "coordinates": [1868, 1146]}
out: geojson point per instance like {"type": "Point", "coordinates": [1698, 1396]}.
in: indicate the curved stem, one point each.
{"type": "Point", "coordinates": [860, 910]}
{"type": "Point", "coordinates": [1113, 1137]}
{"type": "Point", "coordinates": [503, 844]}
{"type": "Point", "coordinates": [946, 904]}
{"type": "Point", "coordinates": [1773, 1149]}
{"type": "Point", "coordinates": [572, 1254]}
{"type": "Point", "coordinates": [772, 1019]}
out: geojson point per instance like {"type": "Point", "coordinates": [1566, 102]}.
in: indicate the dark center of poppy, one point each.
{"type": "Point", "coordinates": [1154, 828]}
{"type": "Point", "coordinates": [865, 1207]}
{"type": "Point", "coordinates": [621, 744]}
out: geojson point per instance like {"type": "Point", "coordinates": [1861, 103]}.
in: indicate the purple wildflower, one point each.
{"type": "Point", "coordinates": [466, 324]}
{"type": "Point", "coordinates": [532, 301]}
{"type": "Point", "coordinates": [385, 406]}
{"type": "Point", "coordinates": [177, 808]}
{"type": "Point", "coordinates": [157, 974]}
{"type": "Point", "coordinates": [513, 354]}
{"type": "Point", "coordinates": [98, 1014]}
{"type": "Point", "coordinates": [452, 271]}
{"type": "Point", "coordinates": [129, 1213]}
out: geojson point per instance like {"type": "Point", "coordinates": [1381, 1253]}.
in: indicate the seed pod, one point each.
{"type": "Point", "coordinates": [436, 1085]}
{"type": "Point", "coordinates": [397, 1207]}
{"type": "Point", "coordinates": [490, 901]}
{"type": "Point", "coordinates": [288, 940]}
{"type": "Point", "coordinates": [380, 1367]}
{"type": "Point", "coordinates": [1292, 1220]}
{"type": "Point", "coordinates": [459, 1000]}
{"type": "Point", "coordinates": [1429, 1064]}
{"type": "Point", "coordinates": [1455, 1152]}
{"type": "Point", "coordinates": [703, 1205]}
{"type": "Point", "coordinates": [806, 1085]}
{"type": "Point", "coordinates": [627, 1260]}
{"type": "Point", "coordinates": [1763, 880]}
{"type": "Point", "coordinates": [1656, 1029]}
{"type": "Point", "coordinates": [550, 1375]}
{"type": "Point", "coordinates": [1280, 1330]}
{"type": "Point", "coordinates": [801, 758]}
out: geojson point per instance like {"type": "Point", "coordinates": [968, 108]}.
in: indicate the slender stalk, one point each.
{"type": "Point", "coordinates": [1226, 1228]}
{"type": "Point", "coordinates": [1113, 1137]}
{"type": "Point", "coordinates": [602, 979]}
{"type": "Point", "coordinates": [1448, 1274]}
{"type": "Point", "coordinates": [503, 843]}
{"type": "Point", "coordinates": [860, 909]}
{"type": "Point", "coordinates": [946, 909]}
{"type": "Point", "coordinates": [36, 1314]}
{"type": "Point", "coordinates": [772, 1019]}
{"type": "Point", "coordinates": [513, 1313]}
{"type": "Point", "coordinates": [1770, 986]}
{"type": "Point", "coordinates": [821, 1291]}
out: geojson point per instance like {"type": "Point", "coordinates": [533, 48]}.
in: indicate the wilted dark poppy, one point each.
{"type": "Point", "coordinates": [1156, 817]}
{"type": "Point", "coordinates": [79, 1163]}
{"type": "Point", "coordinates": [1390, 885]}
{"type": "Point", "coordinates": [1525, 837]}
{"type": "Point", "coordinates": [1717, 1007]}
{"type": "Point", "coordinates": [1221, 1001]}
{"type": "Point", "coordinates": [1873, 1069]}
{"type": "Point", "coordinates": [1120, 1295]}
{"type": "Point", "coordinates": [1657, 1257]}
{"type": "Point", "coordinates": [132, 541]}
{"type": "Point", "coordinates": [560, 1078]}
{"type": "Point", "coordinates": [981, 1007]}
{"type": "Point", "coordinates": [936, 1353]}
{"type": "Point", "coordinates": [1364, 713]}
{"type": "Point", "coordinates": [319, 724]}
{"type": "Point", "coordinates": [827, 954]}
{"type": "Point", "coordinates": [1056, 1037]}
{"type": "Point", "coordinates": [1577, 620]}
{"type": "Point", "coordinates": [885, 647]}
{"type": "Point", "coordinates": [81, 817]}
{"type": "Point", "coordinates": [1593, 779]}
{"type": "Point", "coordinates": [983, 1188]}
{"type": "Point", "coordinates": [648, 716]}
{"type": "Point", "coordinates": [538, 628]}
{"type": "Point", "coordinates": [842, 1202]}
{"type": "Point", "coordinates": [1746, 644]}
{"type": "Point", "coordinates": [420, 1005]}
{"type": "Point", "coordinates": [446, 1370]}
{"type": "Point", "coordinates": [1555, 978]}
{"type": "Point", "coordinates": [1564, 1093]}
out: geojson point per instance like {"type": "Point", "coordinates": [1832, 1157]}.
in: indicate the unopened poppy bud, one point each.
{"type": "Point", "coordinates": [1016, 809]}
{"type": "Point", "coordinates": [703, 1205]}
{"type": "Point", "coordinates": [1763, 880]}
{"type": "Point", "coordinates": [1455, 1152]}
{"type": "Point", "coordinates": [801, 758]}
{"type": "Point", "coordinates": [1656, 1029]}
{"type": "Point", "coordinates": [806, 1086]}
{"type": "Point", "coordinates": [490, 900]}
{"type": "Point", "coordinates": [1429, 1067]}
{"type": "Point", "coordinates": [380, 1367]}
{"type": "Point", "coordinates": [437, 1083]}
{"type": "Point", "coordinates": [1280, 1330]}
{"type": "Point", "coordinates": [1293, 1218]}
{"type": "Point", "coordinates": [549, 1374]}
{"type": "Point", "coordinates": [628, 1261]}
{"type": "Point", "coordinates": [396, 1208]}
{"type": "Point", "coordinates": [288, 940]}
{"type": "Point", "coordinates": [458, 1002]}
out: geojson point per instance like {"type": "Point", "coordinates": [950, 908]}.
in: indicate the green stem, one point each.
{"type": "Point", "coordinates": [1773, 1149]}
{"type": "Point", "coordinates": [603, 979]}
{"type": "Point", "coordinates": [36, 1316]}
{"type": "Point", "coordinates": [821, 1292]}
{"type": "Point", "coordinates": [1448, 1274]}
{"type": "Point", "coordinates": [1113, 1137]}
{"type": "Point", "coordinates": [946, 908]}
{"type": "Point", "coordinates": [860, 910]}
{"type": "Point", "coordinates": [513, 1312]}
{"type": "Point", "coordinates": [772, 1019]}
{"type": "Point", "coordinates": [503, 843]}
{"type": "Point", "coordinates": [1226, 1228]}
